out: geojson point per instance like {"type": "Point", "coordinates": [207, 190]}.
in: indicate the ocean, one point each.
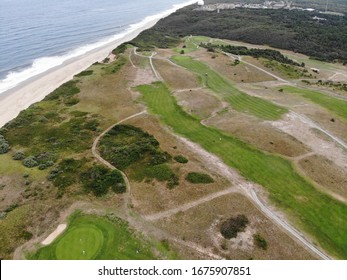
{"type": "Point", "coordinates": [37, 35]}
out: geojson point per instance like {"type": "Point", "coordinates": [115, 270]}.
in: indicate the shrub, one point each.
{"type": "Point", "coordinates": [181, 159]}
{"type": "Point", "coordinates": [18, 156]}
{"type": "Point", "coordinates": [99, 179]}
{"type": "Point", "coordinates": [85, 73]}
{"type": "Point", "coordinates": [42, 166]}
{"type": "Point", "coordinates": [4, 146]}
{"type": "Point", "coordinates": [260, 241]}
{"type": "Point", "coordinates": [30, 162]}
{"type": "Point", "coordinates": [182, 52]}
{"type": "Point", "coordinates": [231, 227]}
{"type": "Point", "coordinates": [173, 181]}
{"type": "Point", "coordinates": [72, 101]}
{"type": "Point", "coordinates": [199, 178]}
{"type": "Point", "coordinates": [120, 49]}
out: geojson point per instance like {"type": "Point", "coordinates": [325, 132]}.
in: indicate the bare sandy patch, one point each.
{"type": "Point", "coordinates": [59, 230]}
{"type": "Point", "coordinates": [295, 126]}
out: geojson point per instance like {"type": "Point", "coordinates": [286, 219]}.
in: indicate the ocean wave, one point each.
{"type": "Point", "coordinates": [43, 64]}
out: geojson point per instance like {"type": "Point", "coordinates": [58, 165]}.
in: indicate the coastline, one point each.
{"type": "Point", "coordinates": [33, 90]}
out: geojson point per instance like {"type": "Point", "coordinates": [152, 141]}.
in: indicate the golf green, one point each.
{"type": "Point", "coordinates": [91, 237]}
{"type": "Point", "coordinates": [80, 243]}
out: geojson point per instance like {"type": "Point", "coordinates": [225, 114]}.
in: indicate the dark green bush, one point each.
{"type": "Point", "coordinates": [18, 156]}
{"type": "Point", "coordinates": [99, 179]}
{"type": "Point", "coordinates": [181, 159]}
{"type": "Point", "coordinates": [71, 101]}
{"type": "Point", "coordinates": [30, 162]}
{"type": "Point", "coordinates": [231, 227]}
{"type": "Point", "coordinates": [66, 173]}
{"type": "Point", "coordinates": [120, 49]}
{"type": "Point", "coordinates": [199, 178]}
{"type": "Point", "coordinates": [260, 241]}
{"type": "Point", "coordinates": [4, 146]}
{"type": "Point", "coordinates": [85, 73]}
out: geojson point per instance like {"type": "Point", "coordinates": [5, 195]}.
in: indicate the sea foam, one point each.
{"type": "Point", "coordinates": [43, 64]}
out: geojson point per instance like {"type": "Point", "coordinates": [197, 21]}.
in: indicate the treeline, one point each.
{"type": "Point", "coordinates": [292, 30]}
{"type": "Point", "coordinates": [257, 53]}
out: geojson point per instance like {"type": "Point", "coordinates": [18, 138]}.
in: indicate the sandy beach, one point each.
{"type": "Point", "coordinates": [13, 101]}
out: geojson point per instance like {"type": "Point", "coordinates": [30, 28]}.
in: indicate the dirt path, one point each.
{"type": "Point", "coordinates": [155, 72]}
{"type": "Point", "coordinates": [191, 204]}
{"type": "Point", "coordinates": [257, 67]}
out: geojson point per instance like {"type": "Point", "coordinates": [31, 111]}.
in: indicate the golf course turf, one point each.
{"type": "Point", "coordinates": [288, 190]}
{"type": "Point", "coordinates": [238, 100]}
{"type": "Point", "coordinates": [333, 104]}
{"type": "Point", "coordinates": [90, 237]}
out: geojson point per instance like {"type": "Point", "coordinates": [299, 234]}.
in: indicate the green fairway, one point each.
{"type": "Point", "coordinates": [240, 101]}
{"type": "Point", "coordinates": [317, 213]}
{"type": "Point", "coordinates": [91, 237]}
{"type": "Point", "coordinates": [335, 105]}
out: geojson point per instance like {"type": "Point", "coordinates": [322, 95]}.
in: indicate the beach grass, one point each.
{"type": "Point", "coordinates": [239, 101]}
{"type": "Point", "coordinates": [90, 237]}
{"type": "Point", "coordinates": [332, 104]}
{"type": "Point", "coordinates": [317, 213]}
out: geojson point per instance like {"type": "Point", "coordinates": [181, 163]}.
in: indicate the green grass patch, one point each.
{"type": "Point", "coordinates": [90, 237]}
{"type": "Point", "coordinates": [334, 105]}
{"type": "Point", "coordinates": [199, 178]}
{"type": "Point", "coordinates": [317, 213]}
{"type": "Point", "coordinates": [240, 101]}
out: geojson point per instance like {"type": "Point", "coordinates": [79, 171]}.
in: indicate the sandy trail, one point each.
{"type": "Point", "coordinates": [59, 230]}
{"type": "Point", "coordinates": [190, 205]}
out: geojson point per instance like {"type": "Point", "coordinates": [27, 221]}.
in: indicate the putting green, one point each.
{"type": "Point", "coordinates": [80, 243]}
{"type": "Point", "coordinates": [90, 237]}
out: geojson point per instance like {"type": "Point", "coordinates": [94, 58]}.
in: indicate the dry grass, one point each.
{"type": "Point", "coordinates": [259, 134]}
{"type": "Point", "coordinates": [108, 96]}
{"type": "Point", "coordinates": [201, 103]}
{"type": "Point", "coordinates": [177, 78]}
{"type": "Point", "coordinates": [201, 225]}
{"type": "Point", "coordinates": [238, 73]}
{"type": "Point", "coordinates": [325, 173]}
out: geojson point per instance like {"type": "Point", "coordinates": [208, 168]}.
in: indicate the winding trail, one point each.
{"type": "Point", "coordinates": [139, 220]}
{"type": "Point", "coordinates": [109, 165]}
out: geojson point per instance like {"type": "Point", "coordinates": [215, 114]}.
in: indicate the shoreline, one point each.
{"type": "Point", "coordinates": [33, 90]}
